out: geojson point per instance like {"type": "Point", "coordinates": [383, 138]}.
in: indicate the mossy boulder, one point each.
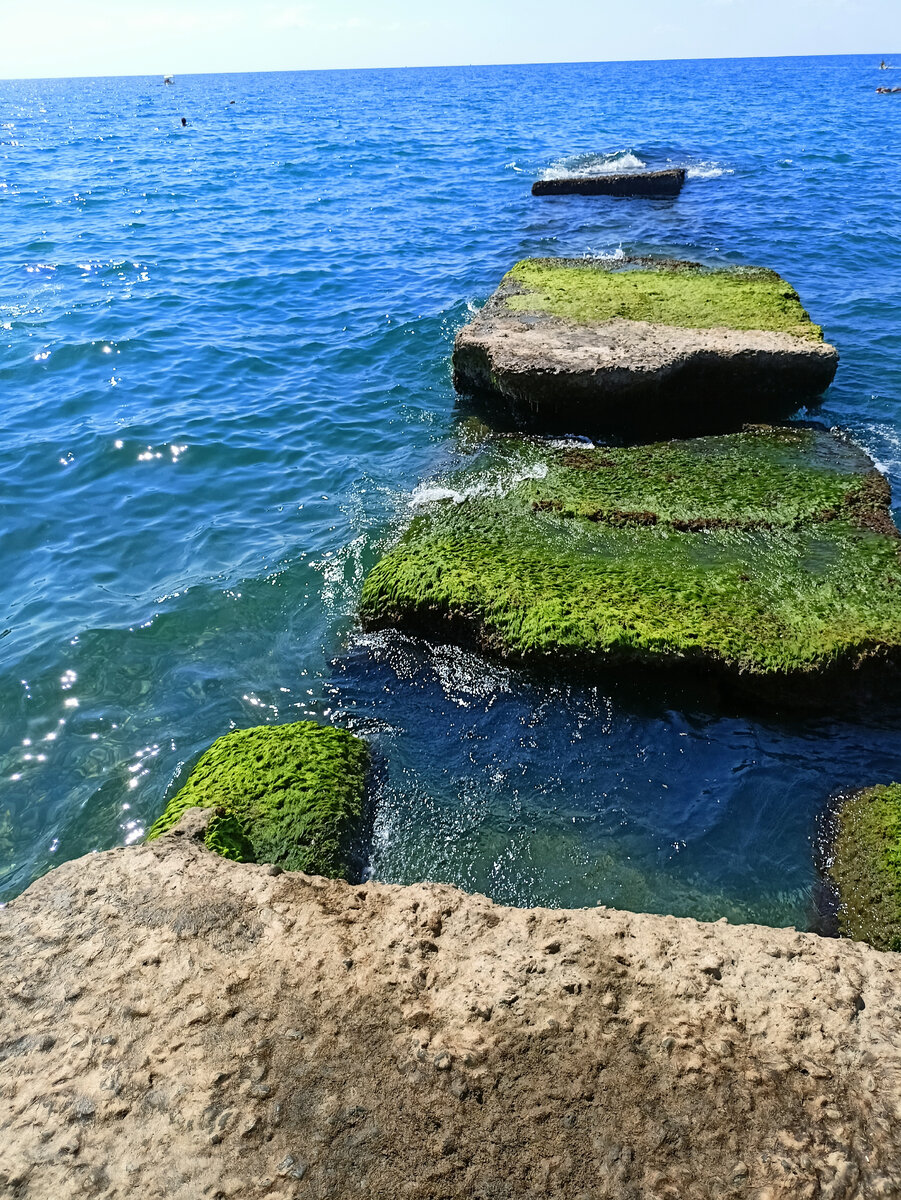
{"type": "Point", "coordinates": [767, 555]}
{"type": "Point", "coordinates": [866, 866]}
{"type": "Point", "coordinates": [292, 795]}
{"type": "Point", "coordinates": [643, 346]}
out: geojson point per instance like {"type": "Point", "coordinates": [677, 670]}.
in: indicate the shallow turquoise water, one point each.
{"type": "Point", "coordinates": [225, 367]}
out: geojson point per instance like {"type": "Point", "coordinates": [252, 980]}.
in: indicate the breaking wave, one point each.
{"type": "Point", "coordinates": [625, 161]}
{"type": "Point", "coordinates": [485, 485]}
{"type": "Point", "coordinates": [707, 170]}
{"type": "Point", "coordinates": [595, 164]}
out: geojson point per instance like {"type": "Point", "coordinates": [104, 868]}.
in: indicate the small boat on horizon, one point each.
{"type": "Point", "coordinates": [168, 79]}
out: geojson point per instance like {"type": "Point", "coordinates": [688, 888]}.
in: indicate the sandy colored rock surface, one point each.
{"type": "Point", "coordinates": [176, 1025]}
{"type": "Point", "coordinates": [634, 376]}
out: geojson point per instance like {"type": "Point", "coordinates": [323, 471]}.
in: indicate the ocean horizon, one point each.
{"type": "Point", "coordinates": [875, 57]}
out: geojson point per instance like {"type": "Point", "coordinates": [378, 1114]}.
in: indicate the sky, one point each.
{"type": "Point", "coordinates": [41, 38]}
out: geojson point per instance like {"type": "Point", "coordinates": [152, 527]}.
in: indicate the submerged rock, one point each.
{"type": "Point", "coordinates": [292, 795]}
{"type": "Point", "coordinates": [642, 346]}
{"type": "Point", "coordinates": [176, 1025]}
{"type": "Point", "coordinates": [767, 556]}
{"type": "Point", "coordinates": [866, 866]}
{"type": "Point", "coordinates": [623, 183]}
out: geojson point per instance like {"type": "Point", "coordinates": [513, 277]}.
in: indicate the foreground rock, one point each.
{"type": "Point", "coordinates": [292, 795]}
{"type": "Point", "coordinates": [642, 346]}
{"type": "Point", "coordinates": [866, 866]}
{"type": "Point", "coordinates": [767, 558]}
{"type": "Point", "coordinates": [174, 1025]}
{"type": "Point", "coordinates": [624, 183]}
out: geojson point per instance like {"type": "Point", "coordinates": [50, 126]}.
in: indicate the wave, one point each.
{"type": "Point", "coordinates": [595, 164]}
{"type": "Point", "coordinates": [707, 170]}
{"type": "Point", "coordinates": [625, 161]}
{"type": "Point", "coordinates": [883, 444]}
{"type": "Point", "coordinates": [486, 485]}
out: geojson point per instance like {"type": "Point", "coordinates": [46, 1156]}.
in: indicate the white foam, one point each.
{"type": "Point", "coordinates": [486, 485]}
{"type": "Point", "coordinates": [568, 441]}
{"type": "Point", "coordinates": [594, 164]}
{"type": "Point", "coordinates": [883, 444]}
{"type": "Point", "coordinates": [707, 170]}
{"type": "Point", "coordinates": [616, 255]}
{"type": "Point", "coordinates": [429, 494]}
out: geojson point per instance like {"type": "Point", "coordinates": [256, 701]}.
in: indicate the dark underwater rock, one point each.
{"type": "Point", "coordinates": [626, 183]}
{"type": "Point", "coordinates": [767, 557]}
{"type": "Point", "coordinates": [292, 795]}
{"type": "Point", "coordinates": [642, 348]}
{"type": "Point", "coordinates": [866, 866]}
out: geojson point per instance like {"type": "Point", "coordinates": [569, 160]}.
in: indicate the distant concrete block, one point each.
{"type": "Point", "coordinates": [630, 183]}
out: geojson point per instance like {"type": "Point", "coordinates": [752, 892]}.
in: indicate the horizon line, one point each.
{"type": "Point", "coordinates": [451, 66]}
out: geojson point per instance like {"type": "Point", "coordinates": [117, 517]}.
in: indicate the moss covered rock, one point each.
{"type": "Point", "coordinates": [644, 345]}
{"type": "Point", "coordinates": [670, 293]}
{"type": "Point", "coordinates": [768, 555]}
{"type": "Point", "coordinates": [866, 867]}
{"type": "Point", "coordinates": [286, 794]}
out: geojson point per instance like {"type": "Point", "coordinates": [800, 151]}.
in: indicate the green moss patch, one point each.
{"type": "Point", "coordinates": [766, 553]}
{"type": "Point", "coordinates": [775, 478]}
{"type": "Point", "coordinates": [867, 867]}
{"type": "Point", "coordinates": [286, 794]}
{"type": "Point", "coordinates": [667, 293]}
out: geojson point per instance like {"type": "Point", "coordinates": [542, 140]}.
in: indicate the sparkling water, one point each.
{"type": "Point", "coordinates": [226, 378]}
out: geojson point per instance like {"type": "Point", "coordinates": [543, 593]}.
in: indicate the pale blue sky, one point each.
{"type": "Point", "coordinates": [133, 37]}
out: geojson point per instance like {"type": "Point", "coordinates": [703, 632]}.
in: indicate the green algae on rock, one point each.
{"type": "Point", "coordinates": [669, 293]}
{"type": "Point", "coordinates": [292, 795]}
{"type": "Point", "coordinates": [866, 866]}
{"type": "Point", "coordinates": [643, 346]}
{"type": "Point", "coordinates": [769, 555]}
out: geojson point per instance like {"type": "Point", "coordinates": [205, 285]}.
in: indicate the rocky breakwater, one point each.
{"type": "Point", "coordinates": [638, 346]}
{"type": "Point", "coordinates": [176, 1025]}
{"type": "Point", "coordinates": [766, 558]}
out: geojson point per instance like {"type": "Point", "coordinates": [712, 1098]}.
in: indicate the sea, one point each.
{"type": "Point", "coordinates": [225, 375]}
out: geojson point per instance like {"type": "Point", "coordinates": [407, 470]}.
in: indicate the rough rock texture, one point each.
{"type": "Point", "coordinates": [642, 347]}
{"type": "Point", "coordinates": [866, 866]}
{"type": "Point", "coordinates": [175, 1025]}
{"type": "Point", "coordinates": [291, 794]}
{"type": "Point", "coordinates": [625, 183]}
{"type": "Point", "coordinates": [766, 558]}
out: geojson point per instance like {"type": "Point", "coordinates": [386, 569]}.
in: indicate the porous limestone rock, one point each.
{"type": "Point", "coordinates": [642, 347]}
{"type": "Point", "coordinates": [176, 1025]}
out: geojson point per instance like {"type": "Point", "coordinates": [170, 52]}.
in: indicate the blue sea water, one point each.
{"type": "Point", "coordinates": [225, 370]}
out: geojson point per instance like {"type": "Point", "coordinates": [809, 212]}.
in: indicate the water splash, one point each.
{"type": "Point", "coordinates": [707, 170]}
{"type": "Point", "coordinates": [595, 164]}
{"type": "Point", "coordinates": [489, 484]}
